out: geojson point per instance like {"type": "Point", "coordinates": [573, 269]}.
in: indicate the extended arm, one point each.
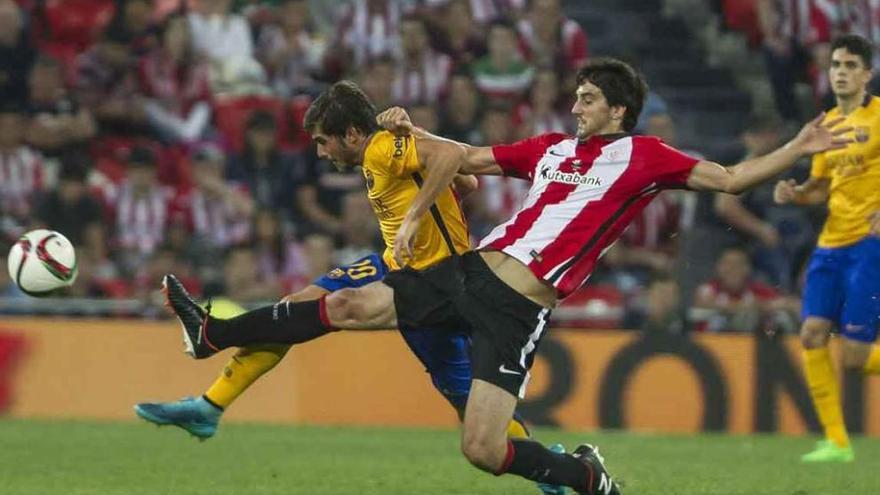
{"type": "Point", "coordinates": [731, 209]}
{"type": "Point", "coordinates": [815, 137]}
{"type": "Point", "coordinates": [812, 192]}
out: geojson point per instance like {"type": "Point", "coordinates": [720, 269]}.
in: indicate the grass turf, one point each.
{"type": "Point", "coordinates": [77, 458]}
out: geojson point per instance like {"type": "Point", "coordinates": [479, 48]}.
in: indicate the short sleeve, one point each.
{"type": "Point", "coordinates": [818, 170]}
{"type": "Point", "coordinates": [520, 159]}
{"type": "Point", "coordinates": [670, 166]}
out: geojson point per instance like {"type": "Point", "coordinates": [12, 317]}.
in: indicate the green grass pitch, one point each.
{"type": "Point", "coordinates": [77, 458]}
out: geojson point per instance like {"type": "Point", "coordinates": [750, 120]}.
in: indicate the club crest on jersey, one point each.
{"type": "Point", "coordinates": [368, 176]}
{"type": "Point", "coordinates": [569, 177]}
{"type": "Point", "coordinates": [861, 134]}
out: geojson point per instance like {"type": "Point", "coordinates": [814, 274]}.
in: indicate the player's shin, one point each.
{"type": "Point", "coordinates": [825, 393]}
{"type": "Point", "coordinates": [533, 461]}
{"type": "Point", "coordinates": [242, 370]}
{"type": "Point", "coordinates": [281, 323]}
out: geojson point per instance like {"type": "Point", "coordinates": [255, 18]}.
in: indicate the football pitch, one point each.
{"type": "Point", "coordinates": [78, 458]}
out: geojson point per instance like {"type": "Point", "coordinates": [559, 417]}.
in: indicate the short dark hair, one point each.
{"type": "Point", "coordinates": [621, 85]}
{"type": "Point", "coordinates": [857, 45]}
{"type": "Point", "coordinates": [261, 120]}
{"type": "Point", "coordinates": [339, 107]}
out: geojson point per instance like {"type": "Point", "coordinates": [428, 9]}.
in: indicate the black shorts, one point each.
{"type": "Point", "coordinates": [462, 293]}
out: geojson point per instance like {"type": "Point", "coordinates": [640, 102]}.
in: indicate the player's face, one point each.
{"type": "Point", "coordinates": [848, 74]}
{"type": "Point", "coordinates": [592, 112]}
{"type": "Point", "coordinates": [335, 149]}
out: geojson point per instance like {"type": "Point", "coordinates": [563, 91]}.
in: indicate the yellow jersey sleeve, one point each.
{"type": "Point", "coordinates": [392, 155]}
{"type": "Point", "coordinates": [818, 169]}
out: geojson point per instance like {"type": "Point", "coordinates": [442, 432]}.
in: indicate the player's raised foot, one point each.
{"type": "Point", "coordinates": [599, 481]}
{"type": "Point", "coordinates": [193, 319]}
{"type": "Point", "coordinates": [547, 489]}
{"type": "Point", "coordinates": [828, 451]}
{"type": "Point", "coordinates": [195, 415]}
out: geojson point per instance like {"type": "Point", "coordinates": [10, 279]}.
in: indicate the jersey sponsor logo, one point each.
{"type": "Point", "coordinates": [506, 371]}
{"type": "Point", "coordinates": [398, 147]}
{"type": "Point", "coordinates": [569, 177]}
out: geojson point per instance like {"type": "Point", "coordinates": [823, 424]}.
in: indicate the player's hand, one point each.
{"type": "Point", "coordinates": [818, 136]}
{"type": "Point", "coordinates": [403, 241]}
{"type": "Point", "coordinates": [395, 120]}
{"type": "Point", "coordinates": [784, 192]}
{"type": "Point", "coordinates": [875, 223]}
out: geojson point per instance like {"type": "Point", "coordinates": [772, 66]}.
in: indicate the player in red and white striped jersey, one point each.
{"type": "Point", "coordinates": [584, 190]}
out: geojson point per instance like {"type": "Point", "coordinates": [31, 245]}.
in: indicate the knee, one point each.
{"type": "Point", "coordinates": [484, 453]}
{"type": "Point", "coordinates": [814, 335]}
{"type": "Point", "coordinates": [854, 355]}
{"type": "Point", "coordinates": [344, 305]}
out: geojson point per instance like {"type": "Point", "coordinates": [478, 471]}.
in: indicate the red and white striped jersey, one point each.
{"type": "Point", "coordinates": [21, 178]}
{"type": "Point", "coordinates": [141, 220]}
{"type": "Point", "coordinates": [583, 195]}
{"type": "Point", "coordinates": [213, 219]}
{"type": "Point", "coordinates": [424, 84]}
{"type": "Point", "coordinates": [806, 21]}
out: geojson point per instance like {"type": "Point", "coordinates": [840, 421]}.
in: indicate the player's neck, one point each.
{"type": "Point", "coordinates": [363, 147]}
{"type": "Point", "coordinates": [849, 104]}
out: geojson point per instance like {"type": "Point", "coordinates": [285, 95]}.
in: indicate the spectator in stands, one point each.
{"type": "Point", "coordinates": [163, 260]}
{"type": "Point", "coordinates": [136, 18]}
{"type": "Point", "coordinates": [663, 311]}
{"type": "Point", "coordinates": [425, 116]}
{"type": "Point", "coordinates": [279, 256]}
{"type": "Point", "coordinates": [220, 35]}
{"type": "Point", "coordinates": [57, 119]}
{"type": "Point", "coordinates": [366, 29]}
{"type": "Point", "coordinates": [459, 111]}
{"type": "Point", "coordinates": [540, 113]}
{"type": "Point", "coordinates": [292, 51]}
{"type": "Point", "coordinates": [422, 73]}
{"type": "Point", "coordinates": [796, 35]}
{"type": "Point", "coordinates": [69, 208]}
{"type": "Point", "coordinates": [22, 174]}
{"type": "Point", "coordinates": [377, 81]}
{"type": "Point", "coordinates": [739, 302]}
{"type": "Point", "coordinates": [140, 207]}
{"type": "Point", "coordinates": [270, 175]}
{"type": "Point", "coordinates": [107, 84]}
{"type": "Point", "coordinates": [320, 196]}
{"type": "Point", "coordinates": [242, 283]}
{"type": "Point", "coordinates": [176, 86]}
{"type": "Point", "coordinates": [214, 210]}
{"type": "Point", "coordinates": [552, 39]}
{"type": "Point", "coordinates": [503, 73]}
{"type": "Point", "coordinates": [66, 28]}
{"type": "Point", "coordinates": [16, 53]}
{"type": "Point", "coordinates": [461, 37]}
{"type": "Point", "coordinates": [779, 236]}
{"type": "Point", "coordinates": [360, 231]}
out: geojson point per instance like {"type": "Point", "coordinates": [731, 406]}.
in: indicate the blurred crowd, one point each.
{"type": "Point", "coordinates": [165, 136]}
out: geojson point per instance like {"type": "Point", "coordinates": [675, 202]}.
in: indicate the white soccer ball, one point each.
{"type": "Point", "coordinates": [41, 262]}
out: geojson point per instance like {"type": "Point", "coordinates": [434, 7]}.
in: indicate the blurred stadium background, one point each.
{"type": "Point", "coordinates": [165, 136]}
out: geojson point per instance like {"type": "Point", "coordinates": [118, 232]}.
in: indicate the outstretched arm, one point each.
{"type": "Point", "coordinates": [813, 191]}
{"type": "Point", "coordinates": [815, 137]}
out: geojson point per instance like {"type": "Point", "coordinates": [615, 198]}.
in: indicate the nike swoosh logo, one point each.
{"type": "Point", "coordinates": [558, 154]}
{"type": "Point", "coordinates": [506, 371]}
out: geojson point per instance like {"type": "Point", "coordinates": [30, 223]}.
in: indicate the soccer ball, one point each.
{"type": "Point", "coordinates": [41, 262]}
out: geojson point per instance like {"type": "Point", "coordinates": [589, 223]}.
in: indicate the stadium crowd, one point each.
{"type": "Point", "coordinates": [165, 136]}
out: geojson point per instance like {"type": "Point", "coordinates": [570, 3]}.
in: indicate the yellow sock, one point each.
{"type": "Point", "coordinates": [248, 364]}
{"type": "Point", "coordinates": [825, 391]}
{"type": "Point", "coordinates": [872, 365]}
{"type": "Point", "coordinates": [516, 430]}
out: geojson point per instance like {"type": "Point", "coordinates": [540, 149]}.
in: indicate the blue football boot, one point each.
{"type": "Point", "coordinates": [195, 415]}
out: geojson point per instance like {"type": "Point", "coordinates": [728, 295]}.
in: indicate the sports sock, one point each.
{"type": "Point", "coordinates": [281, 323]}
{"type": "Point", "coordinates": [533, 461]}
{"type": "Point", "coordinates": [825, 391]}
{"type": "Point", "coordinates": [517, 428]}
{"type": "Point", "coordinates": [872, 365]}
{"type": "Point", "coordinates": [243, 369]}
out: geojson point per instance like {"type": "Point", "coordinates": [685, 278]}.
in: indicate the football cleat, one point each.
{"type": "Point", "coordinates": [195, 415]}
{"type": "Point", "coordinates": [828, 451]}
{"type": "Point", "coordinates": [548, 489]}
{"type": "Point", "coordinates": [193, 319]}
{"type": "Point", "coordinates": [599, 481]}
